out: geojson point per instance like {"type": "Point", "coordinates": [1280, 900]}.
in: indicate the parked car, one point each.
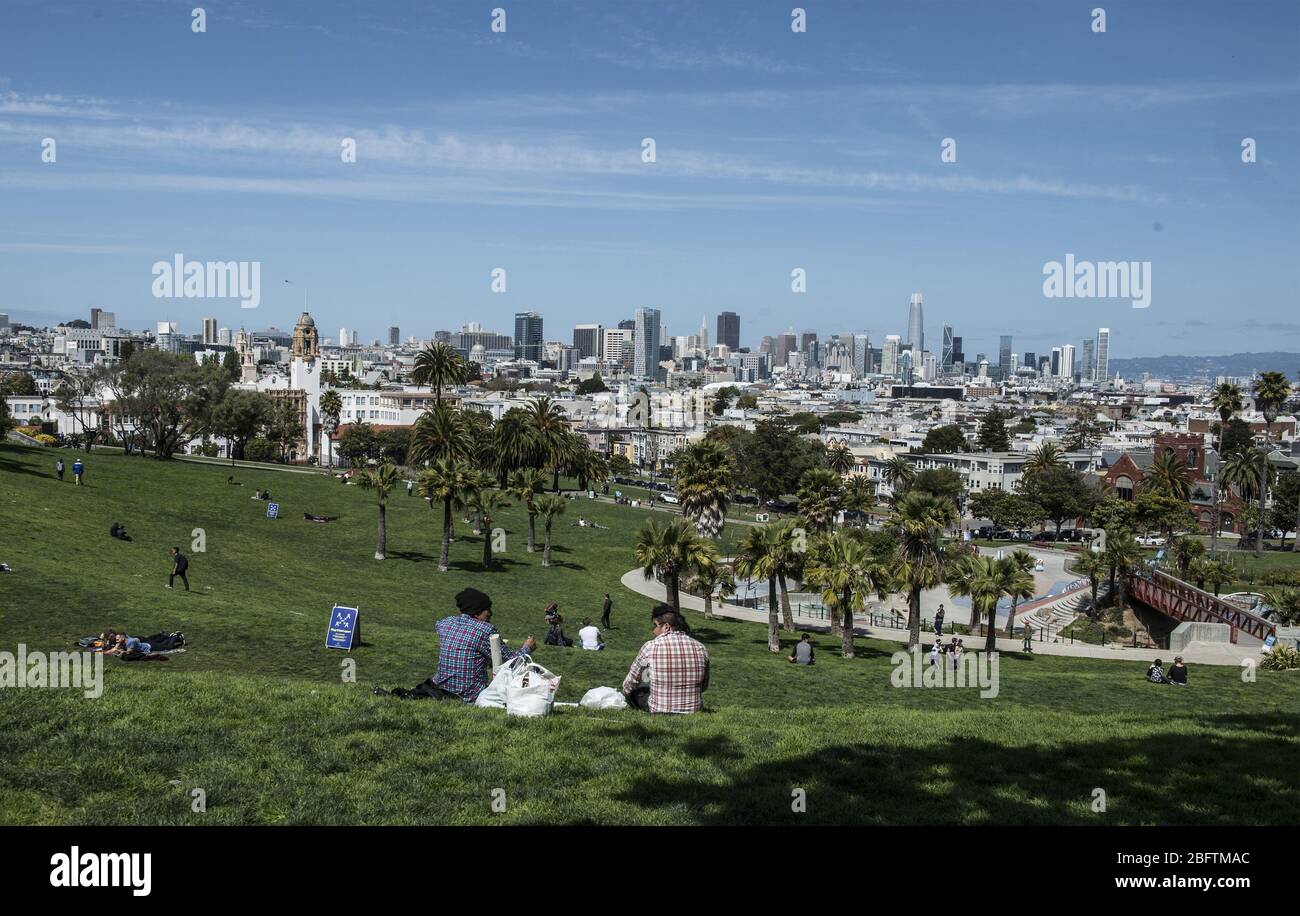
{"type": "Point", "coordinates": [1150, 540]}
{"type": "Point", "coordinates": [1045, 536]}
{"type": "Point", "coordinates": [671, 498]}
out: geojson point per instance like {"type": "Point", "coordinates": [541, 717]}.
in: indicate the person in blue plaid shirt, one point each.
{"type": "Point", "coordinates": [465, 648]}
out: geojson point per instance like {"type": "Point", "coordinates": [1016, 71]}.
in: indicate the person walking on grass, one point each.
{"type": "Point", "coordinates": [938, 622]}
{"type": "Point", "coordinates": [78, 469]}
{"type": "Point", "coordinates": [179, 566]}
{"type": "Point", "coordinates": [604, 612]}
{"type": "Point", "coordinates": [58, 468]}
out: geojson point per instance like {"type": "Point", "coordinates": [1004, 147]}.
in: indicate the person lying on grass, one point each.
{"type": "Point", "coordinates": [678, 667]}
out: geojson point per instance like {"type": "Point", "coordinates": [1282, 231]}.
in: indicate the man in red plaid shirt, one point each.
{"type": "Point", "coordinates": [678, 666]}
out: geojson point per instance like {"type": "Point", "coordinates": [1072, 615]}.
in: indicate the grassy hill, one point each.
{"type": "Point", "coordinates": [257, 715]}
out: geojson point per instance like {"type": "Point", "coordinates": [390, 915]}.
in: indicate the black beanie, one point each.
{"type": "Point", "coordinates": [472, 601]}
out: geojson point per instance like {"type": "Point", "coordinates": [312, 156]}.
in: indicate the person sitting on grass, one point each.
{"type": "Point", "coordinates": [1178, 672]}
{"type": "Point", "coordinates": [1156, 673]}
{"type": "Point", "coordinates": [231, 481]}
{"type": "Point", "coordinates": [589, 636]}
{"type": "Point", "coordinates": [678, 666]}
{"type": "Point", "coordinates": [465, 649]}
{"type": "Point", "coordinates": [803, 652]}
{"type": "Point", "coordinates": [118, 531]}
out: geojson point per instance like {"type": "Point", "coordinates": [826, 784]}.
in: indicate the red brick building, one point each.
{"type": "Point", "coordinates": [1123, 477]}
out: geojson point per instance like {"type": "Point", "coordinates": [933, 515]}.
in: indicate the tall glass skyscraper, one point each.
{"type": "Point", "coordinates": [645, 359]}
{"type": "Point", "coordinates": [1004, 356]}
{"type": "Point", "coordinates": [1103, 354]}
{"type": "Point", "coordinates": [528, 336]}
{"type": "Point", "coordinates": [945, 361]}
{"type": "Point", "coordinates": [729, 330]}
{"type": "Point", "coordinates": [915, 324]}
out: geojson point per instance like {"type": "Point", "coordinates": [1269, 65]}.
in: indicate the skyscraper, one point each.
{"type": "Point", "coordinates": [958, 354]}
{"type": "Point", "coordinates": [806, 340]}
{"type": "Point", "coordinates": [861, 354]}
{"type": "Point", "coordinates": [615, 345]}
{"type": "Point", "coordinates": [916, 324]}
{"type": "Point", "coordinates": [889, 355]}
{"type": "Point", "coordinates": [645, 358]}
{"type": "Point", "coordinates": [1004, 357]}
{"type": "Point", "coordinates": [729, 330]}
{"type": "Point", "coordinates": [1067, 362]}
{"type": "Point", "coordinates": [587, 340]}
{"type": "Point", "coordinates": [1103, 355]}
{"type": "Point", "coordinates": [945, 355]}
{"type": "Point", "coordinates": [394, 336]}
{"type": "Point", "coordinates": [1089, 367]}
{"type": "Point", "coordinates": [209, 330]}
{"type": "Point", "coordinates": [528, 336]}
{"type": "Point", "coordinates": [1056, 361]}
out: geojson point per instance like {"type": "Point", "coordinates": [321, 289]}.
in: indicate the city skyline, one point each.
{"type": "Point", "coordinates": [775, 152]}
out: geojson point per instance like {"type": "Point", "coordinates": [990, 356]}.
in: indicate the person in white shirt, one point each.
{"type": "Point", "coordinates": [589, 636]}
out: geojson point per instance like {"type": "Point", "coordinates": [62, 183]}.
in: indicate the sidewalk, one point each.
{"type": "Point", "coordinates": [1231, 656]}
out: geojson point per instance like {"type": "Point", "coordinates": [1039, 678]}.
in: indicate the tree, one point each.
{"type": "Point", "coordinates": [943, 440]}
{"type": "Point", "coordinates": [672, 551]}
{"type": "Point", "coordinates": [283, 427]}
{"type": "Point", "coordinates": [820, 494]}
{"type": "Point", "coordinates": [331, 409]}
{"type": "Point", "coordinates": [1227, 402]}
{"type": "Point", "coordinates": [526, 484]}
{"type": "Point", "coordinates": [230, 365]}
{"type": "Point", "coordinates": [992, 435]}
{"type": "Point", "coordinates": [441, 433]}
{"type": "Point", "coordinates": [357, 443]}
{"type": "Point", "coordinates": [1217, 573]}
{"type": "Point", "coordinates": [1085, 432]}
{"type": "Point", "coordinates": [899, 473]}
{"type": "Point", "coordinates": [75, 395]}
{"type": "Point", "coordinates": [1285, 603]}
{"type": "Point", "coordinates": [919, 520]}
{"type": "Point", "coordinates": [1062, 493]}
{"type": "Point", "coordinates": [985, 580]}
{"type": "Point", "coordinates": [712, 578]}
{"type": "Point", "coordinates": [238, 417]}
{"type": "Point", "coordinates": [448, 481]}
{"type": "Point", "coordinates": [859, 494]}
{"type": "Point", "coordinates": [160, 395]}
{"type": "Point", "coordinates": [758, 559]}
{"type": "Point", "coordinates": [1185, 551]}
{"type": "Point", "coordinates": [839, 459]}
{"type": "Point", "coordinates": [548, 430]}
{"type": "Point", "coordinates": [1092, 565]}
{"type": "Point", "coordinates": [1235, 435]}
{"type": "Point", "coordinates": [1271, 391]}
{"type": "Point", "coordinates": [704, 474]}
{"type": "Point", "coordinates": [591, 385]}
{"type": "Point", "coordinates": [486, 502]}
{"type": "Point", "coordinates": [439, 365]}
{"type": "Point", "coordinates": [382, 480]}
{"type": "Point", "coordinates": [1169, 476]}
{"type": "Point", "coordinates": [846, 571]}
{"type": "Point", "coordinates": [942, 482]}
{"type": "Point", "coordinates": [772, 460]}
{"type": "Point", "coordinates": [1122, 556]}
{"type": "Point", "coordinates": [1163, 513]}
{"type": "Point", "coordinates": [1286, 505]}
{"type": "Point", "coordinates": [549, 506]}
{"type": "Point", "coordinates": [1047, 455]}
{"type": "Point", "coordinates": [16, 383]}
{"type": "Point", "coordinates": [512, 443]}
{"type": "Point", "coordinates": [1020, 584]}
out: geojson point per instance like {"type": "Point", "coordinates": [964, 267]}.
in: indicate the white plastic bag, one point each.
{"type": "Point", "coordinates": [530, 690]}
{"type": "Point", "coordinates": [603, 698]}
{"type": "Point", "coordinates": [494, 694]}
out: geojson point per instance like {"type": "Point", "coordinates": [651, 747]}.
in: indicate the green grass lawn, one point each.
{"type": "Point", "coordinates": [257, 715]}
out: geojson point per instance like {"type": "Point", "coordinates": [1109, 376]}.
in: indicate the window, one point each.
{"type": "Point", "coordinates": [1124, 487]}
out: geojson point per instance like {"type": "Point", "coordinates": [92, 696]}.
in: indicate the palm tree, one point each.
{"type": "Point", "coordinates": [1245, 468]}
{"type": "Point", "coordinates": [919, 519]}
{"type": "Point", "coordinates": [442, 432]}
{"type": "Point", "coordinates": [1093, 565]}
{"type": "Point", "coordinates": [1218, 573]}
{"type": "Point", "coordinates": [899, 473]}
{"type": "Point", "coordinates": [1185, 550]}
{"type": "Point", "coordinates": [485, 501]}
{"type": "Point", "coordinates": [788, 556]}
{"type": "Point", "coordinates": [839, 459]}
{"type": "Point", "coordinates": [1169, 476]}
{"type": "Point", "coordinates": [526, 484]}
{"type": "Point", "coordinates": [709, 579]}
{"type": "Point", "coordinates": [1046, 456]}
{"type": "Point", "coordinates": [758, 560]}
{"type": "Point", "coordinates": [1122, 556]}
{"type": "Point", "coordinates": [704, 474]}
{"type": "Point", "coordinates": [331, 409]}
{"type": "Point", "coordinates": [548, 506]}
{"type": "Point", "coordinates": [859, 494]}
{"type": "Point", "coordinates": [847, 572]}
{"type": "Point", "coordinates": [382, 480]}
{"type": "Point", "coordinates": [1227, 401]}
{"type": "Point", "coordinates": [437, 365]}
{"type": "Point", "coordinates": [548, 429]}
{"type": "Point", "coordinates": [1021, 584]}
{"type": "Point", "coordinates": [820, 492]}
{"type": "Point", "coordinates": [513, 447]}
{"type": "Point", "coordinates": [448, 481]}
{"type": "Point", "coordinates": [672, 550]}
{"type": "Point", "coordinates": [1271, 391]}
{"type": "Point", "coordinates": [985, 581]}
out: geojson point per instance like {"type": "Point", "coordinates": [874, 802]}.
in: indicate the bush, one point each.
{"type": "Point", "coordinates": [45, 439]}
{"type": "Point", "coordinates": [1281, 577]}
{"type": "Point", "coordinates": [259, 450]}
{"type": "Point", "coordinates": [1282, 658]}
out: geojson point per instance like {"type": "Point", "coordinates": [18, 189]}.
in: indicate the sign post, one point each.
{"type": "Point", "coordinates": [273, 510]}
{"type": "Point", "coordinates": [344, 628]}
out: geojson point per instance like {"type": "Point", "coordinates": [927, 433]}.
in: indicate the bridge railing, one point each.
{"type": "Point", "coordinates": [1183, 601]}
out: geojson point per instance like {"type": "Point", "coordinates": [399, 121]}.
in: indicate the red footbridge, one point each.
{"type": "Point", "coordinates": [1182, 601]}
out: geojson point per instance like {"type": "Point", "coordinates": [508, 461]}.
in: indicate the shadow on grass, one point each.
{"type": "Point", "coordinates": [411, 555]}
{"type": "Point", "coordinates": [1170, 778]}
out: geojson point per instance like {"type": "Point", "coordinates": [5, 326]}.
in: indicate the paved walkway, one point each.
{"type": "Point", "coordinates": [1232, 656]}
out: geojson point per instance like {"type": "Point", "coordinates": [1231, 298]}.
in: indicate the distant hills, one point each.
{"type": "Point", "coordinates": [1187, 368]}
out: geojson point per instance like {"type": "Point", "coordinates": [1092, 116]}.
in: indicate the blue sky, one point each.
{"type": "Point", "coordinates": [775, 150]}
